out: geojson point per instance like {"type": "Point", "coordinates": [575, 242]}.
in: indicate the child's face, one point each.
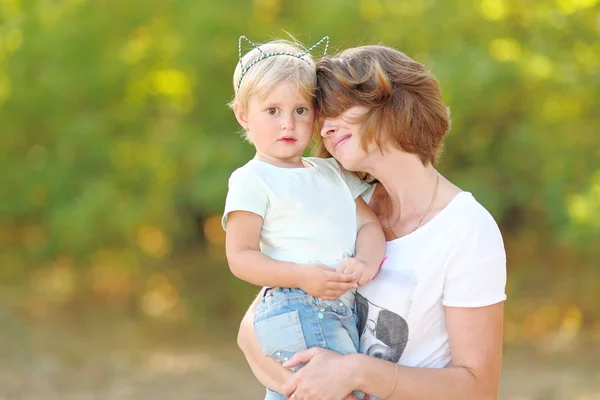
{"type": "Point", "coordinates": [281, 123]}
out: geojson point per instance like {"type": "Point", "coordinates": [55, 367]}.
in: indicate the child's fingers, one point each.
{"type": "Point", "coordinates": [361, 277]}
{"type": "Point", "coordinates": [333, 276]}
{"type": "Point", "coordinates": [333, 294]}
{"type": "Point", "coordinates": [341, 266]}
{"type": "Point", "coordinates": [341, 286]}
{"type": "Point", "coordinates": [345, 268]}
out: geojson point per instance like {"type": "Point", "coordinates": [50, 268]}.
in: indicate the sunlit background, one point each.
{"type": "Point", "coordinates": [116, 146]}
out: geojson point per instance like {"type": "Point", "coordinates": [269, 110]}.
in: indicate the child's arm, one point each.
{"type": "Point", "coordinates": [370, 240]}
{"type": "Point", "coordinates": [248, 263]}
{"type": "Point", "coordinates": [370, 245]}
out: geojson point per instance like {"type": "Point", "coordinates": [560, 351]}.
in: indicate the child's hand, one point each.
{"type": "Point", "coordinates": [359, 269]}
{"type": "Point", "coordinates": [322, 282]}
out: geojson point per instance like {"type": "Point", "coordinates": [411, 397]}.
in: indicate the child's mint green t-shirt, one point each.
{"type": "Point", "coordinates": [309, 214]}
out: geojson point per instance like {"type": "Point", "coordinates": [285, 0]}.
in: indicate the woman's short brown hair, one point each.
{"type": "Point", "coordinates": [403, 99]}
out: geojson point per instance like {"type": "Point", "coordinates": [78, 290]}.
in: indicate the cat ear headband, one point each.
{"type": "Point", "coordinates": [275, 53]}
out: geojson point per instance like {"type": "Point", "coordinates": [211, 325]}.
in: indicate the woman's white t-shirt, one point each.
{"type": "Point", "coordinates": [457, 259]}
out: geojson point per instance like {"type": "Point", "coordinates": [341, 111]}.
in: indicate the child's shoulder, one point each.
{"type": "Point", "coordinates": [329, 163]}
{"type": "Point", "coordinates": [250, 170]}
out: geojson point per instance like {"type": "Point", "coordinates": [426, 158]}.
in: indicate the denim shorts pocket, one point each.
{"type": "Point", "coordinates": [280, 333]}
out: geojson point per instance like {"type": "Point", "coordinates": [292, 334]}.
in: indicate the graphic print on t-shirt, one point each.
{"type": "Point", "coordinates": [383, 334]}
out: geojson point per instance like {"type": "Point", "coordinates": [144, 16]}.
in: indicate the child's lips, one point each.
{"type": "Point", "coordinates": [288, 140]}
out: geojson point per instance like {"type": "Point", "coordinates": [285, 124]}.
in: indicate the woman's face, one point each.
{"type": "Point", "coordinates": [341, 137]}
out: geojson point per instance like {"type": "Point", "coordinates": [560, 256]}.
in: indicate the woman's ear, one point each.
{"type": "Point", "coordinates": [241, 115]}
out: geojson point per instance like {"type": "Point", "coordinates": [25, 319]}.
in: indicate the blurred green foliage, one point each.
{"type": "Point", "coordinates": [116, 142]}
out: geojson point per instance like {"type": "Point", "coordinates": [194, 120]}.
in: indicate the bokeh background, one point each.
{"type": "Point", "coordinates": [116, 146]}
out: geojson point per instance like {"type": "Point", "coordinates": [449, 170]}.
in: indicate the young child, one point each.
{"type": "Point", "coordinates": [295, 225]}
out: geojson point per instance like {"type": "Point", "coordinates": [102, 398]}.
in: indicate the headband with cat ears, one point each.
{"type": "Point", "coordinates": [275, 53]}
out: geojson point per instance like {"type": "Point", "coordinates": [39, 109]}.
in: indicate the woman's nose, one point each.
{"type": "Point", "coordinates": [328, 128]}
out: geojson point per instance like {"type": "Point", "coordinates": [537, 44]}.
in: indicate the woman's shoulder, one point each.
{"type": "Point", "coordinates": [473, 225]}
{"type": "Point", "coordinates": [471, 211]}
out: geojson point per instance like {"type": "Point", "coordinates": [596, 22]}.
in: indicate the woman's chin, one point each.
{"type": "Point", "coordinates": [348, 163]}
{"type": "Point", "coordinates": [345, 155]}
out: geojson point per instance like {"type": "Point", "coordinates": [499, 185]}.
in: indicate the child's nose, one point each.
{"type": "Point", "coordinates": [288, 123]}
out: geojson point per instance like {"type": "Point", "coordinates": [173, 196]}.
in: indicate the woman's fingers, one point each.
{"type": "Point", "coordinates": [289, 387]}
{"type": "Point", "coordinates": [302, 357]}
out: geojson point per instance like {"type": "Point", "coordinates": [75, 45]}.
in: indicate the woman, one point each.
{"type": "Point", "coordinates": [431, 321]}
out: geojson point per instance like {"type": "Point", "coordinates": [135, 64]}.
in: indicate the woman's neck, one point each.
{"type": "Point", "coordinates": [408, 182]}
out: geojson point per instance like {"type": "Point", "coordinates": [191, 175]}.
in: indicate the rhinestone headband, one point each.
{"type": "Point", "coordinates": [275, 53]}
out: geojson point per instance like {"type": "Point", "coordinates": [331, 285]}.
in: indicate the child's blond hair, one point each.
{"type": "Point", "coordinates": [264, 75]}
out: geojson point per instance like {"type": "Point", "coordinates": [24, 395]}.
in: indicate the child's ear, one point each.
{"type": "Point", "coordinates": [241, 115]}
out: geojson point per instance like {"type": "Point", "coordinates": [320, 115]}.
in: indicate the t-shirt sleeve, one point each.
{"type": "Point", "coordinates": [355, 184]}
{"type": "Point", "coordinates": [245, 193]}
{"type": "Point", "coordinates": [476, 274]}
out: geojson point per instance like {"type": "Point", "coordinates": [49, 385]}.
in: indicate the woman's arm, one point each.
{"type": "Point", "coordinates": [475, 336]}
{"type": "Point", "coordinates": [268, 371]}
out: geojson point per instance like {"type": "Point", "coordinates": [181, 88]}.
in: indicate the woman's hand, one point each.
{"type": "Point", "coordinates": [327, 375]}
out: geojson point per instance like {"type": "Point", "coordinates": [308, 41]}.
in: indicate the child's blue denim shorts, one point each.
{"type": "Point", "coordinates": [289, 320]}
